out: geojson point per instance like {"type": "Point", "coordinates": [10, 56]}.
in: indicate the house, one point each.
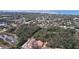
{"type": "Point", "coordinates": [33, 43]}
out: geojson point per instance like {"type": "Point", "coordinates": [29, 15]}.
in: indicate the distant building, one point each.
{"type": "Point", "coordinates": [3, 24]}
{"type": "Point", "coordinates": [76, 22]}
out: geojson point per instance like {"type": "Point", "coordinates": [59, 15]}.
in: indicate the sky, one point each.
{"type": "Point", "coordinates": [67, 12]}
{"type": "Point", "coordinates": [73, 12]}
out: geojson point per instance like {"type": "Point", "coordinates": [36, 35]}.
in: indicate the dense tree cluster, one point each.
{"type": "Point", "coordinates": [58, 37]}
{"type": "Point", "coordinates": [24, 32]}
{"type": "Point", "coordinates": [55, 36]}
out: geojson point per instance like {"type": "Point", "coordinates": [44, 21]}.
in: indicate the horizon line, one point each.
{"type": "Point", "coordinates": [66, 12]}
